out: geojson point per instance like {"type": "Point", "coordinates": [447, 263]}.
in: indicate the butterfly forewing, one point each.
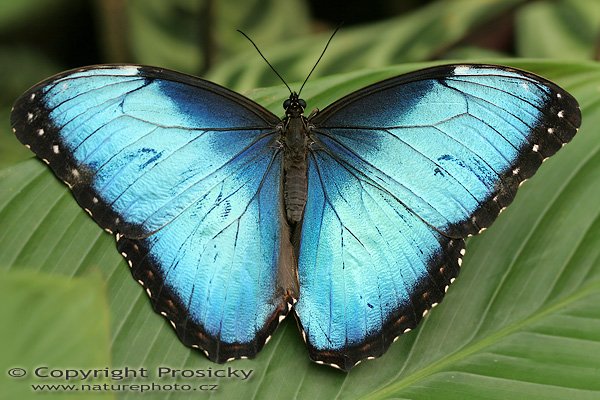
{"type": "Point", "coordinates": [187, 176]}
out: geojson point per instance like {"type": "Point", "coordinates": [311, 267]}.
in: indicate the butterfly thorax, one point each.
{"type": "Point", "coordinates": [295, 149]}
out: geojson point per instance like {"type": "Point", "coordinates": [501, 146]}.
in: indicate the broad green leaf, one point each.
{"type": "Point", "coordinates": [521, 320]}
{"type": "Point", "coordinates": [424, 34]}
{"type": "Point", "coordinates": [566, 29]}
{"type": "Point", "coordinates": [51, 322]}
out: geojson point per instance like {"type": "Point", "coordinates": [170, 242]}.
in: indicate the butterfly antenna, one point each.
{"type": "Point", "coordinates": [264, 58]}
{"type": "Point", "coordinates": [321, 56]}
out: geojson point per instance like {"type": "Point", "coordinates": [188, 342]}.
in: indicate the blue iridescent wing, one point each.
{"type": "Point", "coordinates": [187, 176]}
{"type": "Point", "coordinates": [400, 172]}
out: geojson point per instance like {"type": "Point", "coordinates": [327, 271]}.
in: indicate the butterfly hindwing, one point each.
{"type": "Point", "coordinates": [368, 268]}
{"type": "Point", "coordinates": [401, 171]}
{"type": "Point", "coordinates": [186, 174]}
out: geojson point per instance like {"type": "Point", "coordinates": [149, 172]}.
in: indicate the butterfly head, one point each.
{"type": "Point", "coordinates": [294, 106]}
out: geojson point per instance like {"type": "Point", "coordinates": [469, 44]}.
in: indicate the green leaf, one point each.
{"type": "Point", "coordinates": [521, 320]}
{"type": "Point", "coordinates": [50, 322]}
{"type": "Point", "coordinates": [566, 29]}
{"type": "Point", "coordinates": [425, 34]}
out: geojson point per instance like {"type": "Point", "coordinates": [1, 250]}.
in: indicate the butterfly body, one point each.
{"type": "Point", "coordinates": [354, 218]}
{"type": "Point", "coordinates": [295, 142]}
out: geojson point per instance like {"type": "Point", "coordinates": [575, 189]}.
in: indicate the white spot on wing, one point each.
{"type": "Point", "coordinates": [55, 149]}
{"type": "Point", "coordinates": [95, 200]}
{"type": "Point", "coordinates": [75, 173]}
{"type": "Point", "coordinates": [40, 132]}
{"type": "Point", "coordinates": [29, 117]}
{"type": "Point", "coordinates": [558, 95]}
{"type": "Point", "coordinates": [561, 114]}
{"type": "Point", "coordinates": [14, 130]}
{"type": "Point", "coordinates": [535, 148]}
{"type": "Point", "coordinates": [461, 69]}
{"type": "Point", "coordinates": [551, 130]}
{"type": "Point", "coordinates": [132, 68]}
{"type": "Point", "coordinates": [462, 251]}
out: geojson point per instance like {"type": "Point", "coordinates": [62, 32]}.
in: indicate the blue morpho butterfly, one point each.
{"type": "Point", "coordinates": [354, 217]}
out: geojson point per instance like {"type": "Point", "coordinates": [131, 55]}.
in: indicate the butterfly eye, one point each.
{"type": "Point", "coordinates": [286, 104]}
{"type": "Point", "coordinates": [302, 103]}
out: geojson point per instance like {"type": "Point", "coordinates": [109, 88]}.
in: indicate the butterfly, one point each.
{"type": "Point", "coordinates": [354, 217]}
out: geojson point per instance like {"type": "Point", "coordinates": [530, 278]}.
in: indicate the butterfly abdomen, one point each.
{"type": "Point", "coordinates": [295, 183]}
